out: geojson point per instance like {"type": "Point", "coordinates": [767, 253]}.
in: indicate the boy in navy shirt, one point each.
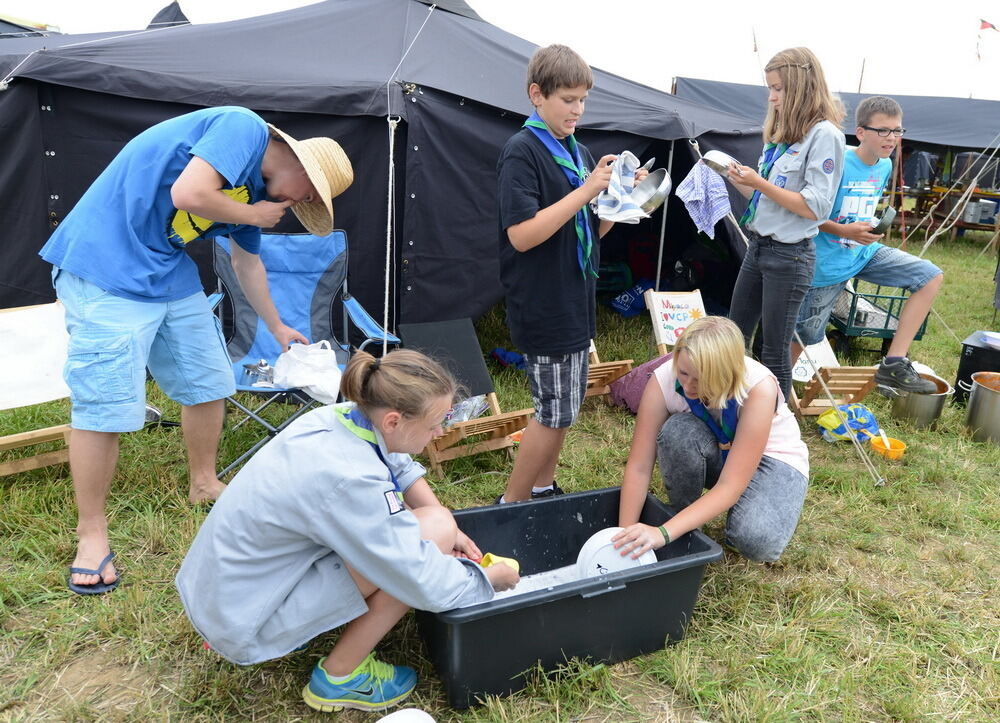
{"type": "Point", "coordinates": [549, 256]}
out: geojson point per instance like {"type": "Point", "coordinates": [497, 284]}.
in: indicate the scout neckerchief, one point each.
{"type": "Point", "coordinates": [730, 416]}
{"type": "Point", "coordinates": [576, 173]}
{"type": "Point", "coordinates": [358, 425]}
{"type": "Point", "coordinates": [772, 152]}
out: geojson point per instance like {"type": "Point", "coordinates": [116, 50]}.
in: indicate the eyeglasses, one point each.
{"type": "Point", "coordinates": [886, 132]}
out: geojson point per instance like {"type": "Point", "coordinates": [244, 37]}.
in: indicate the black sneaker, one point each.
{"type": "Point", "coordinates": [551, 492]}
{"type": "Point", "coordinates": [894, 378]}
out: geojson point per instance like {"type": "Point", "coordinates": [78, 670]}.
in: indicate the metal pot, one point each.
{"type": "Point", "coordinates": [885, 222]}
{"type": "Point", "coordinates": [718, 161]}
{"type": "Point", "coordinates": [983, 415]}
{"type": "Point", "coordinates": [652, 190]}
{"type": "Point", "coordinates": [922, 410]}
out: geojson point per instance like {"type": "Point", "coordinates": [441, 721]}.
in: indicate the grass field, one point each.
{"type": "Point", "coordinates": [884, 606]}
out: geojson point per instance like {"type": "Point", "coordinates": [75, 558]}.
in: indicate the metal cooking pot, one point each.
{"type": "Point", "coordinates": [652, 191]}
{"type": "Point", "coordinates": [718, 161]}
{"type": "Point", "coordinates": [983, 415]}
{"type": "Point", "coordinates": [922, 410]}
{"type": "Point", "coordinates": [885, 222]}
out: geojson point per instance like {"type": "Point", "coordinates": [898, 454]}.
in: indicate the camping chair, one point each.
{"type": "Point", "coordinates": [455, 345]}
{"type": "Point", "coordinates": [600, 374]}
{"type": "Point", "coordinates": [305, 273]}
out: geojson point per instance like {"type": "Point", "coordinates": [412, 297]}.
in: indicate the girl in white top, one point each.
{"type": "Point", "coordinates": [715, 419]}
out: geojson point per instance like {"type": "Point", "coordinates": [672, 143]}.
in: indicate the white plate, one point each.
{"type": "Point", "coordinates": [598, 555]}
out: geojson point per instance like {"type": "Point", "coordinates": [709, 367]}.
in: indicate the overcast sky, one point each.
{"type": "Point", "coordinates": [910, 47]}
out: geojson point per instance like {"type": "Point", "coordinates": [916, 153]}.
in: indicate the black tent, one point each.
{"type": "Point", "coordinates": [169, 15]}
{"type": "Point", "coordinates": [954, 122]}
{"type": "Point", "coordinates": [340, 68]}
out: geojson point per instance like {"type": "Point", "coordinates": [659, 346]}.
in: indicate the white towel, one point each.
{"type": "Point", "coordinates": [705, 197]}
{"type": "Point", "coordinates": [615, 203]}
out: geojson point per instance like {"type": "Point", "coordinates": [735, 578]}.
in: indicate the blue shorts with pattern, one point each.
{"type": "Point", "coordinates": [112, 340]}
{"type": "Point", "coordinates": [888, 267]}
{"type": "Point", "coordinates": [558, 386]}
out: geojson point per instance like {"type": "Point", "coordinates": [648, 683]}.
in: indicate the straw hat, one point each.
{"type": "Point", "coordinates": [329, 169]}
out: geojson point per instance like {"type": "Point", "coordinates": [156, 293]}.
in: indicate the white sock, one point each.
{"type": "Point", "coordinates": [546, 488]}
{"type": "Point", "coordinates": [502, 500]}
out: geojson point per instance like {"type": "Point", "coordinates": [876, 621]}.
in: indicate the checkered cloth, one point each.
{"type": "Point", "coordinates": [705, 197]}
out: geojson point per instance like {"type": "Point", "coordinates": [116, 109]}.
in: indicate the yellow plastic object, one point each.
{"type": "Point", "coordinates": [894, 451]}
{"type": "Point", "coordinates": [489, 559]}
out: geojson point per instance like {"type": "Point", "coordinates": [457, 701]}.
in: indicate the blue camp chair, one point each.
{"type": "Point", "coordinates": [306, 274]}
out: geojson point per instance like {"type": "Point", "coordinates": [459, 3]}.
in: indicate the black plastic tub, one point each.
{"type": "Point", "coordinates": [486, 649]}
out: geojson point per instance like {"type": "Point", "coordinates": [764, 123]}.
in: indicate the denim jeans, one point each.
{"type": "Point", "coordinates": [772, 282]}
{"type": "Point", "coordinates": [763, 519]}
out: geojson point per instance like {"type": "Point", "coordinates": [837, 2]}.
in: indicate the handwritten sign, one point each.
{"type": "Point", "coordinates": [671, 312]}
{"type": "Point", "coordinates": [821, 354]}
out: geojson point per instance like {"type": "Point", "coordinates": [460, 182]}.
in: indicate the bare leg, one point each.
{"type": "Point", "coordinates": [362, 634]}
{"type": "Point", "coordinates": [202, 426]}
{"type": "Point", "coordinates": [92, 460]}
{"type": "Point", "coordinates": [536, 461]}
{"type": "Point", "coordinates": [793, 352]}
{"type": "Point", "coordinates": [912, 316]}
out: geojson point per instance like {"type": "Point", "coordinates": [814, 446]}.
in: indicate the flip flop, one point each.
{"type": "Point", "coordinates": [98, 587]}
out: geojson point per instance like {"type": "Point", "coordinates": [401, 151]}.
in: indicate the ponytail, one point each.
{"type": "Point", "coordinates": [403, 380]}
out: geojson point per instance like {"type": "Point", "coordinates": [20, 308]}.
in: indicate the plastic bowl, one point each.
{"type": "Point", "coordinates": [895, 450]}
{"type": "Point", "coordinates": [598, 555]}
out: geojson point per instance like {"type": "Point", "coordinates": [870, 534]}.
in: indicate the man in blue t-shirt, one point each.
{"type": "Point", "coordinates": [846, 248]}
{"type": "Point", "coordinates": [133, 298]}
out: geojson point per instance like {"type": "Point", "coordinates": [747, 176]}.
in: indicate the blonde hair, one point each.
{"type": "Point", "coordinates": [558, 66]}
{"type": "Point", "coordinates": [403, 380]}
{"type": "Point", "coordinates": [714, 344]}
{"type": "Point", "coordinates": [806, 101]}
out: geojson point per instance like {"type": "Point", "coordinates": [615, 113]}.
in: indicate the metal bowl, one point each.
{"type": "Point", "coordinates": [652, 191]}
{"type": "Point", "coordinates": [885, 222]}
{"type": "Point", "coordinates": [719, 161]}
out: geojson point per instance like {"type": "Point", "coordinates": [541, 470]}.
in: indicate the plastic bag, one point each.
{"type": "Point", "coordinates": [467, 409]}
{"type": "Point", "coordinates": [312, 368]}
{"type": "Point", "coordinates": [859, 418]}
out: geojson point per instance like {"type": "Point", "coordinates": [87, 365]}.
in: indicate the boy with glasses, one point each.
{"type": "Point", "coordinates": [846, 247]}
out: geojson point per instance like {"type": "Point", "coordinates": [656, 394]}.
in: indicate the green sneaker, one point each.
{"type": "Point", "coordinates": [376, 686]}
{"type": "Point", "coordinates": [895, 378]}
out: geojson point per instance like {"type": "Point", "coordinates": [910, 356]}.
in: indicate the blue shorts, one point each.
{"type": "Point", "coordinates": [888, 267]}
{"type": "Point", "coordinates": [112, 340]}
{"type": "Point", "coordinates": [558, 385]}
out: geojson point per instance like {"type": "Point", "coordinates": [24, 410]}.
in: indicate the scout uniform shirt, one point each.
{"type": "Point", "coordinates": [812, 167]}
{"type": "Point", "coordinates": [266, 572]}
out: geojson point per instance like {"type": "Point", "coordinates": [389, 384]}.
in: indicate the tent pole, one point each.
{"type": "Point", "coordinates": [896, 167]}
{"type": "Point", "coordinates": [663, 219]}
{"type": "Point", "coordinates": [390, 217]}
